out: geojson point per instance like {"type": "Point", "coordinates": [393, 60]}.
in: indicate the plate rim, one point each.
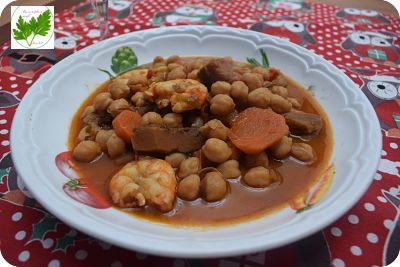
{"type": "Point", "coordinates": [167, 251]}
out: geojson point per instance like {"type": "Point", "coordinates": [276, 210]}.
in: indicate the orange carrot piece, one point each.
{"type": "Point", "coordinates": [124, 124]}
{"type": "Point", "coordinates": [256, 129]}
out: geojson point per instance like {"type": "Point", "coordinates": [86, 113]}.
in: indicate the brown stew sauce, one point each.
{"type": "Point", "coordinates": [242, 202]}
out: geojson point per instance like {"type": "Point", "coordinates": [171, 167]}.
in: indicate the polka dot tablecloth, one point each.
{"type": "Point", "coordinates": [364, 44]}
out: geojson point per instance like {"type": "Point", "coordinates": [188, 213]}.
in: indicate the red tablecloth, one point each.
{"type": "Point", "coordinates": [364, 44]}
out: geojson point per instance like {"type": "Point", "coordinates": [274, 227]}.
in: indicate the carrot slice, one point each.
{"type": "Point", "coordinates": [124, 124]}
{"type": "Point", "coordinates": [256, 129]}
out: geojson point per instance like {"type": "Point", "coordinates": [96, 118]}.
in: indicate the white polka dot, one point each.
{"type": "Point", "coordinates": [116, 264]}
{"type": "Point", "coordinates": [356, 250]}
{"type": "Point", "coordinates": [127, 30]}
{"type": "Point", "coordinates": [393, 145]}
{"type": "Point", "coordinates": [383, 153]}
{"type": "Point", "coordinates": [137, 27]}
{"type": "Point", "coordinates": [48, 242]}
{"type": "Point", "coordinates": [373, 238]}
{"type": "Point", "coordinates": [28, 82]}
{"type": "Point", "coordinates": [14, 85]}
{"type": "Point", "coordinates": [388, 224]}
{"type": "Point", "coordinates": [16, 216]}
{"type": "Point", "coordinates": [115, 33]}
{"type": "Point", "coordinates": [378, 177]}
{"type": "Point", "coordinates": [393, 190]}
{"type": "Point", "coordinates": [338, 263]}
{"type": "Point", "coordinates": [54, 263]}
{"type": "Point", "coordinates": [382, 199]}
{"type": "Point", "coordinates": [12, 78]}
{"type": "Point", "coordinates": [5, 143]}
{"type": "Point", "coordinates": [2, 112]}
{"type": "Point", "coordinates": [111, 27]}
{"type": "Point", "coordinates": [3, 121]}
{"type": "Point", "coordinates": [353, 219]}
{"type": "Point", "coordinates": [24, 256]}
{"type": "Point", "coordinates": [4, 131]}
{"type": "Point", "coordinates": [81, 255]}
{"type": "Point", "coordinates": [335, 231]}
{"type": "Point", "coordinates": [369, 207]}
{"type": "Point", "coordinates": [320, 48]}
{"type": "Point", "coordinates": [15, 93]}
{"type": "Point", "coordinates": [20, 235]}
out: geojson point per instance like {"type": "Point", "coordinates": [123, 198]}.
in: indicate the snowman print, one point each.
{"type": "Point", "coordinates": [373, 47]}
{"type": "Point", "coordinates": [187, 14]}
{"type": "Point", "coordinates": [383, 91]}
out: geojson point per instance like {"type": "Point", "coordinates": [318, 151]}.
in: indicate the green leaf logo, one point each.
{"type": "Point", "coordinates": [36, 26]}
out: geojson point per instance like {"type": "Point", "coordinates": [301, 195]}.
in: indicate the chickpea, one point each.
{"type": "Point", "coordinates": [175, 159]}
{"type": "Point", "coordinates": [86, 151]}
{"type": "Point", "coordinates": [236, 153]}
{"type": "Point", "coordinates": [220, 87]}
{"type": "Point", "coordinates": [172, 66]}
{"type": "Point", "coordinates": [275, 175]}
{"type": "Point", "coordinates": [215, 129]}
{"type": "Point", "coordinates": [193, 74]}
{"type": "Point", "coordinates": [138, 83]}
{"type": "Point", "coordinates": [280, 90]}
{"type": "Point", "coordinates": [259, 97]}
{"type": "Point", "coordinates": [173, 59]}
{"type": "Point", "coordinates": [263, 72]}
{"type": "Point", "coordinates": [138, 99]}
{"type": "Point", "coordinates": [222, 105]}
{"type": "Point", "coordinates": [197, 122]}
{"type": "Point", "coordinates": [239, 91]}
{"type": "Point", "coordinates": [87, 111]}
{"type": "Point", "coordinates": [282, 148]}
{"type": "Point", "coordinates": [102, 137]}
{"type": "Point", "coordinates": [198, 64]}
{"type": "Point", "coordinates": [189, 166]}
{"type": "Point", "coordinates": [216, 150]}
{"type": "Point", "coordinates": [258, 177]}
{"type": "Point", "coordinates": [172, 120]}
{"type": "Point", "coordinates": [280, 104]}
{"type": "Point", "coordinates": [189, 187]}
{"type": "Point", "coordinates": [229, 169]}
{"type": "Point", "coordinates": [177, 73]}
{"type": "Point", "coordinates": [158, 59]}
{"type": "Point", "coordinates": [303, 152]}
{"type": "Point", "coordinates": [87, 133]}
{"type": "Point", "coordinates": [280, 80]}
{"type": "Point", "coordinates": [295, 102]}
{"type": "Point", "coordinates": [256, 160]}
{"type": "Point", "coordinates": [117, 106]}
{"type": "Point", "coordinates": [115, 146]}
{"type": "Point", "coordinates": [119, 90]}
{"type": "Point", "coordinates": [151, 118]}
{"type": "Point", "coordinates": [102, 101]}
{"type": "Point", "coordinates": [213, 187]}
{"type": "Point", "coordinates": [252, 80]}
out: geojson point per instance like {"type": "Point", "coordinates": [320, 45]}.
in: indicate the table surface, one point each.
{"type": "Point", "coordinates": [378, 5]}
{"type": "Point", "coordinates": [367, 235]}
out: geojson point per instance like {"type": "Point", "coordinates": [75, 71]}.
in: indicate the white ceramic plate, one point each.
{"type": "Point", "coordinates": [41, 124]}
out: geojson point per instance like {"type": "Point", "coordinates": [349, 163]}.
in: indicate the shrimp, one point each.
{"type": "Point", "coordinates": [130, 74]}
{"type": "Point", "coordinates": [147, 181]}
{"type": "Point", "coordinates": [182, 94]}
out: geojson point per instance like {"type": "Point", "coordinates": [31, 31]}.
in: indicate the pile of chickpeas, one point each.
{"type": "Point", "coordinates": [225, 100]}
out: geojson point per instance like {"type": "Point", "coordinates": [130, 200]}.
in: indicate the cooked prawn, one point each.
{"type": "Point", "coordinates": [130, 74]}
{"type": "Point", "coordinates": [182, 94]}
{"type": "Point", "coordinates": [148, 181]}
